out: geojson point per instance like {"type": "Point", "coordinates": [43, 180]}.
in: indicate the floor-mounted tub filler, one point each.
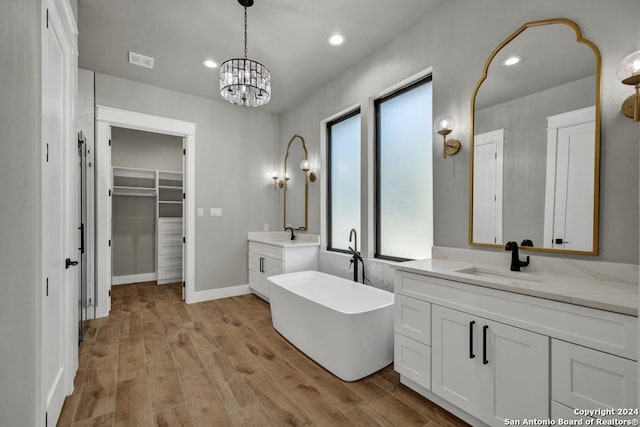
{"type": "Point", "coordinates": [344, 326]}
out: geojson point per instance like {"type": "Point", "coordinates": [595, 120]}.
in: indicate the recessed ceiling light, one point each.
{"type": "Point", "coordinates": [209, 63]}
{"type": "Point", "coordinates": [512, 60]}
{"type": "Point", "coordinates": [335, 39]}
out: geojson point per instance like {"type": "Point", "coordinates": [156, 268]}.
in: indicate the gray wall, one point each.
{"type": "Point", "coordinates": [236, 150]}
{"type": "Point", "coordinates": [134, 218]}
{"type": "Point", "coordinates": [19, 208]}
{"type": "Point", "coordinates": [524, 121]}
{"type": "Point", "coordinates": [145, 150]}
{"type": "Point", "coordinates": [456, 40]}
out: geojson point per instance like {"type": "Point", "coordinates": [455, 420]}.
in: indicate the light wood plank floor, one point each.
{"type": "Point", "coordinates": [158, 361]}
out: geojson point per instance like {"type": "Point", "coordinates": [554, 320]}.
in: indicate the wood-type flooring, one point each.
{"type": "Point", "coordinates": [155, 361]}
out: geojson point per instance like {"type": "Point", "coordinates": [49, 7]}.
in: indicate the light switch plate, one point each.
{"type": "Point", "coordinates": [215, 212]}
{"type": "Point", "coordinates": [200, 212]}
{"type": "Point", "coordinates": [266, 227]}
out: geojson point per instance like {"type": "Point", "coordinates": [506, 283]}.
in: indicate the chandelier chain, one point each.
{"type": "Point", "coordinates": [245, 32]}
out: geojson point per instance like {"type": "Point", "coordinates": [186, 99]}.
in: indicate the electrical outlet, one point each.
{"type": "Point", "coordinates": [266, 227]}
{"type": "Point", "coordinates": [200, 212]}
{"type": "Point", "coordinates": [215, 212]}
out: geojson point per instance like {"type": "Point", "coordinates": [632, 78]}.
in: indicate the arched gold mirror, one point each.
{"type": "Point", "coordinates": [296, 184]}
{"type": "Point", "coordinates": [535, 142]}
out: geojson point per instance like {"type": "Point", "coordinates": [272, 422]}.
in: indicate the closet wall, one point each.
{"type": "Point", "coordinates": [134, 217]}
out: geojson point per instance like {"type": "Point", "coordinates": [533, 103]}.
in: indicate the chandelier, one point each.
{"type": "Point", "coordinates": [244, 81]}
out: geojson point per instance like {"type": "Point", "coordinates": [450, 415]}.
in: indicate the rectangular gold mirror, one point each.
{"type": "Point", "coordinates": [535, 142]}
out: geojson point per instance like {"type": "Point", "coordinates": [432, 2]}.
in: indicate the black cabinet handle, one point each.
{"type": "Point", "coordinates": [484, 344]}
{"type": "Point", "coordinates": [261, 265]}
{"type": "Point", "coordinates": [471, 355]}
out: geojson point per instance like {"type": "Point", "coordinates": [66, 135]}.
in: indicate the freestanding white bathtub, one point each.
{"type": "Point", "coordinates": [344, 326]}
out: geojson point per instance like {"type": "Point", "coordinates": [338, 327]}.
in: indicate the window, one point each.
{"type": "Point", "coordinates": [343, 201]}
{"type": "Point", "coordinates": [404, 190]}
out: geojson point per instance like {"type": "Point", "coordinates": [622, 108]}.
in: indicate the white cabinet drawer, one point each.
{"type": "Point", "coordinates": [413, 318]}
{"type": "Point", "coordinates": [266, 250]}
{"type": "Point", "coordinates": [589, 379]}
{"type": "Point", "coordinates": [412, 360]}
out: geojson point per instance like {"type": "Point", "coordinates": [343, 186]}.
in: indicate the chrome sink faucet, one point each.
{"type": "Point", "coordinates": [515, 257]}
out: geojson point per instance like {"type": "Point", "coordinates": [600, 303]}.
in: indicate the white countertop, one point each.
{"type": "Point", "coordinates": [610, 296]}
{"type": "Point", "coordinates": [283, 238]}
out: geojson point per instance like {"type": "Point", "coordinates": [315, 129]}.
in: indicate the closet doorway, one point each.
{"type": "Point", "coordinates": [146, 207]}
{"type": "Point", "coordinates": [144, 187]}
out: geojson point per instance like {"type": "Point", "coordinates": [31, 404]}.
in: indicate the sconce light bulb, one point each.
{"type": "Point", "coordinates": [444, 124]}
{"type": "Point", "coordinates": [274, 175]}
{"type": "Point", "coordinates": [304, 165]}
{"type": "Point", "coordinates": [628, 71]}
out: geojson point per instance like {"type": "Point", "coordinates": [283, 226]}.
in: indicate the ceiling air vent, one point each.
{"type": "Point", "coordinates": [140, 60]}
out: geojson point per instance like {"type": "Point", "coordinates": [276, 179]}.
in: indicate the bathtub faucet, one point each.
{"type": "Point", "coordinates": [353, 234]}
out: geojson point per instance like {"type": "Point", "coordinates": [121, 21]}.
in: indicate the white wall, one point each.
{"type": "Point", "coordinates": [456, 39]}
{"type": "Point", "coordinates": [236, 148]}
{"type": "Point", "coordinates": [19, 209]}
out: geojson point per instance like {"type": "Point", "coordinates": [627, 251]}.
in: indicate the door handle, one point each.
{"type": "Point", "coordinates": [471, 355]}
{"type": "Point", "coordinates": [68, 263]}
{"type": "Point", "coordinates": [484, 344]}
{"type": "Point", "coordinates": [81, 238]}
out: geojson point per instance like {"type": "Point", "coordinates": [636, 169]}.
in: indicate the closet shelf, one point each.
{"type": "Point", "coordinates": [172, 202]}
{"type": "Point", "coordinates": [120, 190]}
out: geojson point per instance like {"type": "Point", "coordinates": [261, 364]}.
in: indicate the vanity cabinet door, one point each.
{"type": "Point", "coordinates": [271, 267]}
{"type": "Point", "coordinates": [456, 375]}
{"type": "Point", "coordinates": [518, 362]}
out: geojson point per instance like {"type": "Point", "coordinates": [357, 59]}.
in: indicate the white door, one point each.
{"type": "Point", "coordinates": [457, 374]}
{"type": "Point", "coordinates": [103, 182]}
{"type": "Point", "coordinates": [487, 186]}
{"type": "Point", "coordinates": [569, 208]}
{"type": "Point", "coordinates": [518, 363]}
{"type": "Point", "coordinates": [53, 351]}
{"type": "Point", "coordinates": [184, 218]}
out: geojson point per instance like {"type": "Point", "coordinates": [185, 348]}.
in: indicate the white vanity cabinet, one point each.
{"type": "Point", "coordinates": [488, 355]}
{"type": "Point", "coordinates": [268, 260]}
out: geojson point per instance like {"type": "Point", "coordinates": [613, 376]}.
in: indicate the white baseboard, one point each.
{"type": "Point", "coordinates": [133, 278]}
{"type": "Point", "coordinates": [169, 281]}
{"type": "Point", "coordinates": [208, 295]}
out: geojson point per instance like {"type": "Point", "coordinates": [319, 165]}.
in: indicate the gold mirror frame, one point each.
{"type": "Point", "coordinates": [596, 195]}
{"type": "Point", "coordinates": [306, 185]}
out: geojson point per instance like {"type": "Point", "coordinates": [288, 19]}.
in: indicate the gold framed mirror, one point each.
{"type": "Point", "coordinates": [534, 169]}
{"type": "Point", "coordinates": [296, 185]}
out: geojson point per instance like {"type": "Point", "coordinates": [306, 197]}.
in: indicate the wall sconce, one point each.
{"type": "Point", "coordinates": [278, 184]}
{"type": "Point", "coordinates": [629, 73]}
{"type": "Point", "coordinates": [304, 165]}
{"type": "Point", "coordinates": [444, 125]}
{"type": "Point", "coordinates": [274, 177]}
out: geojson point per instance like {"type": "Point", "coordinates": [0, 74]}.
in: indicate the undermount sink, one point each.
{"type": "Point", "coordinates": [501, 275]}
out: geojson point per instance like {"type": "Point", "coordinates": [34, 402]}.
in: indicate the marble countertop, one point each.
{"type": "Point", "coordinates": [283, 238]}
{"type": "Point", "coordinates": [610, 296]}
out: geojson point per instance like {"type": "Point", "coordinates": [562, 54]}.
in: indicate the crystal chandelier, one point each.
{"type": "Point", "coordinates": [244, 81]}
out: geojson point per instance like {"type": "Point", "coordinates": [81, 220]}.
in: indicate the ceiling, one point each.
{"type": "Point", "coordinates": [288, 36]}
{"type": "Point", "coordinates": [551, 56]}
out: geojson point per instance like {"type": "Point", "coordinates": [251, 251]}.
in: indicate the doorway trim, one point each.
{"type": "Point", "coordinates": [106, 117]}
